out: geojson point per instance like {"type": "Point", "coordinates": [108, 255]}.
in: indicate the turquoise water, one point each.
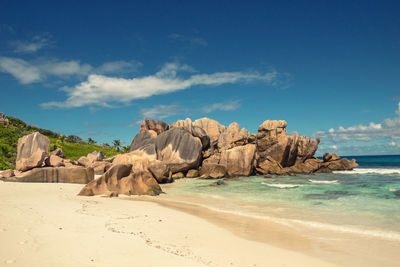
{"type": "Point", "coordinates": [367, 196]}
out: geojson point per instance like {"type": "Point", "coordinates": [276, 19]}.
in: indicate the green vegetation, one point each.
{"type": "Point", "coordinates": [73, 146]}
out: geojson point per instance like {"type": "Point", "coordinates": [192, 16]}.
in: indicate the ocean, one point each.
{"type": "Point", "coordinates": [364, 201]}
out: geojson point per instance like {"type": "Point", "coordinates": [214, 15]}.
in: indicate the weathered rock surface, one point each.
{"type": "Point", "coordinates": [239, 160]}
{"type": "Point", "coordinates": [7, 174]}
{"type": "Point", "coordinates": [269, 166]}
{"type": "Point", "coordinates": [120, 179]}
{"type": "Point", "coordinates": [212, 128]}
{"type": "Point", "coordinates": [212, 171]}
{"type": "Point", "coordinates": [341, 164]}
{"type": "Point", "coordinates": [96, 156]}
{"type": "Point", "coordinates": [156, 126]}
{"type": "Point", "coordinates": [178, 175]}
{"type": "Point", "coordinates": [288, 151]}
{"type": "Point", "coordinates": [179, 149]}
{"type": "Point", "coordinates": [160, 171]}
{"type": "Point", "coordinates": [58, 152]}
{"type": "Point", "coordinates": [32, 151]}
{"type": "Point", "coordinates": [196, 131]}
{"type": "Point", "coordinates": [54, 161]}
{"type": "Point", "coordinates": [233, 136]}
{"type": "Point", "coordinates": [78, 175]}
{"type": "Point", "coordinates": [145, 141]}
{"type": "Point", "coordinates": [192, 173]}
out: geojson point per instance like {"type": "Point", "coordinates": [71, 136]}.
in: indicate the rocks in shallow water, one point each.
{"type": "Point", "coordinates": [32, 151]}
{"type": "Point", "coordinates": [77, 175]}
{"type": "Point", "coordinates": [120, 179]}
{"type": "Point", "coordinates": [239, 160]}
{"type": "Point", "coordinates": [212, 171]}
{"type": "Point", "coordinates": [342, 164]}
{"type": "Point", "coordinates": [219, 182]}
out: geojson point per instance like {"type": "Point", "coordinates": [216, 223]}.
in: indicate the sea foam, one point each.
{"type": "Point", "coordinates": [323, 181]}
{"type": "Point", "coordinates": [375, 171]}
{"type": "Point", "coordinates": [282, 185]}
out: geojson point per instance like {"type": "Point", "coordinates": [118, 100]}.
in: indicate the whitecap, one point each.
{"type": "Point", "coordinates": [282, 185]}
{"type": "Point", "coordinates": [372, 171]}
{"type": "Point", "coordinates": [323, 182]}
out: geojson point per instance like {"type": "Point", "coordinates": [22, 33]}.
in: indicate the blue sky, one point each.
{"type": "Point", "coordinates": [331, 69]}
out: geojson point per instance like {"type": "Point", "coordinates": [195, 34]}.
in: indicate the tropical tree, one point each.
{"type": "Point", "coordinates": [117, 143]}
{"type": "Point", "coordinates": [91, 141]}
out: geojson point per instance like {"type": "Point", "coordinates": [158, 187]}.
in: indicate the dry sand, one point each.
{"type": "Point", "coordinates": [48, 225]}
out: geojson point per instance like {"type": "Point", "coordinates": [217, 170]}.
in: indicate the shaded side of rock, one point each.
{"type": "Point", "coordinates": [57, 175]}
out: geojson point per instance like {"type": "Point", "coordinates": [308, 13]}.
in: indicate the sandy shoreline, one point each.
{"type": "Point", "coordinates": [48, 225]}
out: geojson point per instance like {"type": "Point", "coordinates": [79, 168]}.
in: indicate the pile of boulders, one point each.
{"type": "Point", "coordinates": [160, 153]}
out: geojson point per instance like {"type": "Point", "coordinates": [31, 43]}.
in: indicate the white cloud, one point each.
{"type": "Point", "coordinates": [38, 42]}
{"type": "Point", "coordinates": [387, 129]}
{"type": "Point", "coordinates": [38, 70]}
{"type": "Point", "coordinates": [117, 67]}
{"type": "Point", "coordinates": [104, 91]}
{"type": "Point", "coordinates": [20, 69]}
{"type": "Point", "coordinates": [160, 111]}
{"type": "Point", "coordinates": [228, 105]}
{"type": "Point", "coordinates": [334, 147]}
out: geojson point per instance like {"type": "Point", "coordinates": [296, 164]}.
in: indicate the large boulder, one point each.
{"type": "Point", "coordinates": [145, 141]}
{"type": "Point", "coordinates": [341, 164]}
{"type": "Point", "coordinates": [196, 131]}
{"type": "Point", "coordinates": [212, 171]}
{"type": "Point", "coordinates": [160, 171]}
{"type": "Point", "coordinates": [269, 166]}
{"type": "Point", "coordinates": [239, 160]}
{"type": "Point", "coordinates": [286, 150]}
{"type": "Point", "coordinates": [32, 151]}
{"type": "Point", "coordinates": [193, 173]}
{"type": "Point", "coordinates": [233, 136]}
{"type": "Point", "coordinates": [212, 128]}
{"type": "Point", "coordinates": [179, 149]}
{"type": "Point", "coordinates": [77, 175]}
{"type": "Point", "coordinates": [120, 179]}
{"type": "Point", "coordinates": [96, 156]}
{"type": "Point", "coordinates": [157, 126]}
{"type": "Point", "coordinates": [54, 161]}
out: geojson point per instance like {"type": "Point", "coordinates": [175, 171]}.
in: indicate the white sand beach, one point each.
{"type": "Point", "coordinates": [48, 225]}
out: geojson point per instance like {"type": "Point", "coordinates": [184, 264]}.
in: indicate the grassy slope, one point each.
{"type": "Point", "coordinates": [10, 134]}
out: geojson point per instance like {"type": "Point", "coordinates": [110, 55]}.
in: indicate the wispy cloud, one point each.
{"type": "Point", "coordinates": [160, 111]}
{"type": "Point", "coordinates": [188, 39]}
{"type": "Point", "coordinates": [105, 91]}
{"type": "Point", "coordinates": [38, 42]}
{"type": "Point", "coordinates": [40, 69]}
{"type": "Point", "coordinates": [117, 67]}
{"type": "Point", "coordinates": [228, 105]}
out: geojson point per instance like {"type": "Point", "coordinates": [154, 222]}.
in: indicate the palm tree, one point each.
{"type": "Point", "coordinates": [116, 143]}
{"type": "Point", "coordinates": [91, 141]}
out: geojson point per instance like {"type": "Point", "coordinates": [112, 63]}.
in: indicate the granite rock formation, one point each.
{"type": "Point", "coordinates": [120, 179]}
{"type": "Point", "coordinates": [32, 151]}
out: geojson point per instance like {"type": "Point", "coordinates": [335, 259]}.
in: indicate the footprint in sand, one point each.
{"type": "Point", "coordinates": [9, 261]}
